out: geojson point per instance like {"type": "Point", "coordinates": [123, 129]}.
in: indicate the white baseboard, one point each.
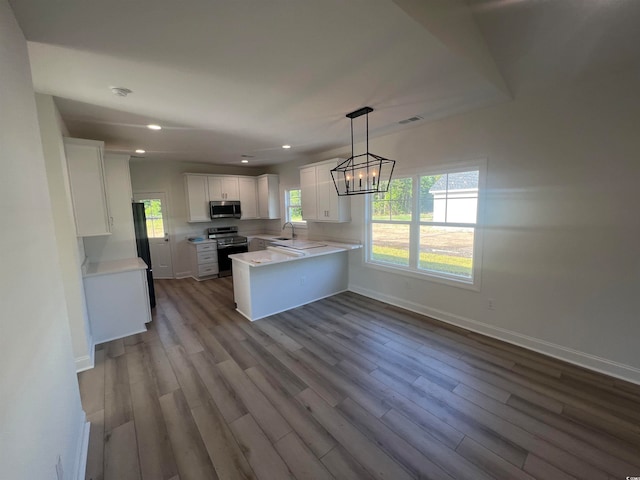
{"type": "Point", "coordinates": [180, 275]}
{"type": "Point", "coordinates": [86, 362]}
{"type": "Point", "coordinates": [581, 359]}
{"type": "Point", "coordinates": [83, 452]}
{"type": "Point", "coordinates": [133, 332]}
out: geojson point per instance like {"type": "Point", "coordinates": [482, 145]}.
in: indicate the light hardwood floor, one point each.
{"type": "Point", "coordinates": [344, 388]}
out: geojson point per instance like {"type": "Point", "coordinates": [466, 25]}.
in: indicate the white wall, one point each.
{"type": "Point", "coordinates": [40, 411]}
{"type": "Point", "coordinates": [150, 176]}
{"type": "Point", "coordinates": [561, 257]}
{"type": "Point", "coordinates": [70, 258]}
{"type": "Point", "coordinates": [122, 241]}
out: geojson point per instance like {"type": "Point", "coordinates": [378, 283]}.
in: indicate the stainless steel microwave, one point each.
{"type": "Point", "coordinates": [225, 209]}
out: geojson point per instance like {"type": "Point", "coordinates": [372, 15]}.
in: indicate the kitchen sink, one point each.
{"type": "Point", "coordinates": [281, 238]}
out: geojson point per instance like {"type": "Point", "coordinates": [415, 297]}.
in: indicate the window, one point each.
{"type": "Point", "coordinates": [293, 206]}
{"type": "Point", "coordinates": [426, 224]}
{"type": "Point", "coordinates": [153, 213]}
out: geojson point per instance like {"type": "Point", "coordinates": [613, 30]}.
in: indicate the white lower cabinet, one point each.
{"type": "Point", "coordinates": [117, 299]}
{"type": "Point", "coordinates": [204, 260]}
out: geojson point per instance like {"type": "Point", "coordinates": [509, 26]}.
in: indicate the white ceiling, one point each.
{"type": "Point", "coordinates": [231, 77]}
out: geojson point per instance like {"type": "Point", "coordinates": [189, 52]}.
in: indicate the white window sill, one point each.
{"type": "Point", "coordinates": [422, 275]}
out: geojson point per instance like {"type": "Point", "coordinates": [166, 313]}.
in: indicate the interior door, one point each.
{"type": "Point", "coordinates": [155, 209]}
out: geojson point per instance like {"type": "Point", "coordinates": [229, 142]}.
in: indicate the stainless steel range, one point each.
{"type": "Point", "coordinates": [229, 242]}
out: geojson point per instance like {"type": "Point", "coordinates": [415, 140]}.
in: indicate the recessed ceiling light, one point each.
{"type": "Point", "coordinates": [140, 151]}
{"type": "Point", "coordinates": [244, 160]}
{"type": "Point", "coordinates": [286, 146]}
{"type": "Point", "coordinates": [154, 127]}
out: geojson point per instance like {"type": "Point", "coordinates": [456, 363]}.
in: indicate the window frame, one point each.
{"type": "Point", "coordinates": [412, 270]}
{"type": "Point", "coordinates": [287, 206]}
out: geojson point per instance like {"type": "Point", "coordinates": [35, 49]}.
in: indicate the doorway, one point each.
{"type": "Point", "coordinates": [155, 209]}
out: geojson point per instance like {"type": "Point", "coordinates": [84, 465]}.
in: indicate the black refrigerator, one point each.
{"type": "Point", "coordinates": [142, 243]}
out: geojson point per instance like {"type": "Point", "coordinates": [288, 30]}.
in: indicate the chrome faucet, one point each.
{"type": "Point", "coordinates": [293, 232]}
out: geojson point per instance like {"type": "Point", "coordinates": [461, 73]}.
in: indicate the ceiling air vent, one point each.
{"type": "Point", "coordinates": [409, 120]}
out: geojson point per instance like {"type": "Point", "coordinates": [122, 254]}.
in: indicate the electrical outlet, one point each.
{"type": "Point", "coordinates": [491, 304]}
{"type": "Point", "coordinates": [59, 469]}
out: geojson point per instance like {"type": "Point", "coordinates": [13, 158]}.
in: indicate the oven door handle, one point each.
{"type": "Point", "coordinates": [224, 247]}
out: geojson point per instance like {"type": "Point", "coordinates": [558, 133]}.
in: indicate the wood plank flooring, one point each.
{"type": "Point", "coordinates": [345, 388]}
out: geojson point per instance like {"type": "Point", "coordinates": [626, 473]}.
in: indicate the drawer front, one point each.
{"type": "Point", "coordinates": [207, 269]}
{"type": "Point", "coordinates": [208, 257]}
{"type": "Point", "coordinates": [207, 247]}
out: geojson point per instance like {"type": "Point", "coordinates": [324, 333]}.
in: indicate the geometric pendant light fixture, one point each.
{"type": "Point", "coordinates": [364, 173]}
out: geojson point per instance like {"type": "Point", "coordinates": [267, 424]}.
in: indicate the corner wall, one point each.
{"type": "Point", "coordinates": [41, 417]}
{"type": "Point", "coordinates": [561, 228]}
{"type": "Point", "coordinates": [51, 131]}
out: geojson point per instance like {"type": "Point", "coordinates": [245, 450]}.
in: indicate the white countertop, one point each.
{"type": "Point", "coordinates": [113, 266]}
{"type": "Point", "coordinates": [282, 254]}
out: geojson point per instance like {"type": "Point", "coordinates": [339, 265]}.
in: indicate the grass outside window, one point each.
{"type": "Point", "coordinates": [427, 224]}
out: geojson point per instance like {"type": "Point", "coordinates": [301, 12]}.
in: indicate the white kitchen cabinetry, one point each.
{"type": "Point", "coordinates": [204, 260]}
{"type": "Point", "coordinates": [320, 201]}
{"type": "Point", "coordinates": [85, 166]}
{"type": "Point", "coordinates": [248, 197]}
{"type": "Point", "coordinates": [309, 192]}
{"type": "Point", "coordinates": [223, 188]}
{"type": "Point", "coordinates": [258, 196]}
{"type": "Point", "coordinates": [268, 196]}
{"type": "Point", "coordinates": [117, 298]}
{"type": "Point", "coordinates": [197, 192]}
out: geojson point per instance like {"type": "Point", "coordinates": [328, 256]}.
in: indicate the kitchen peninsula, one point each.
{"type": "Point", "coordinates": [287, 275]}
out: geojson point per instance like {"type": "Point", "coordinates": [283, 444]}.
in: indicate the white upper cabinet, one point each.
{"type": "Point", "coordinates": [248, 197]}
{"type": "Point", "coordinates": [200, 189]}
{"type": "Point", "coordinates": [309, 193]}
{"type": "Point", "coordinates": [85, 166]}
{"type": "Point", "coordinates": [320, 201]}
{"type": "Point", "coordinates": [223, 188]}
{"type": "Point", "coordinates": [268, 196]}
{"type": "Point", "coordinates": [197, 195]}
